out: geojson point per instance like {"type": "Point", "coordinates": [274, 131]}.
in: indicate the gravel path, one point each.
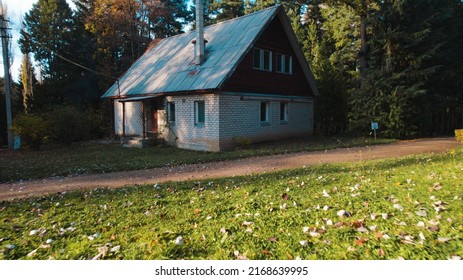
{"type": "Point", "coordinates": [224, 168]}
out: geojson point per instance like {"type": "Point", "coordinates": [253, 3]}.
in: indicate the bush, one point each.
{"type": "Point", "coordinates": [33, 129]}
{"type": "Point", "coordinates": [70, 125]}
{"type": "Point", "coordinates": [459, 135]}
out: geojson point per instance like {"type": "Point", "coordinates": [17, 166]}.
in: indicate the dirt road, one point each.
{"type": "Point", "coordinates": [223, 169]}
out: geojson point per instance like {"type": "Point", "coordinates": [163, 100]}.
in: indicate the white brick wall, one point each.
{"type": "Point", "coordinates": [238, 115]}
{"type": "Point", "coordinates": [184, 133]}
{"type": "Point", "coordinates": [241, 117]}
{"type": "Point", "coordinates": [133, 118]}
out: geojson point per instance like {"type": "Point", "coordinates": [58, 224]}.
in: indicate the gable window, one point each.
{"type": "Point", "coordinates": [283, 112]}
{"type": "Point", "coordinates": [284, 63]}
{"type": "Point", "coordinates": [200, 113]}
{"type": "Point", "coordinates": [262, 59]}
{"type": "Point", "coordinates": [170, 112]}
{"type": "Point", "coordinates": [264, 112]}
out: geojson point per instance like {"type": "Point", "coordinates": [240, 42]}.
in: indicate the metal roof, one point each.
{"type": "Point", "coordinates": [168, 67]}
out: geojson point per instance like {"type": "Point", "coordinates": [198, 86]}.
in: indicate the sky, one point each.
{"type": "Point", "coordinates": [15, 12]}
{"type": "Point", "coordinates": [16, 9]}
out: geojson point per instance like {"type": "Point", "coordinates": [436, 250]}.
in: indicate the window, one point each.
{"type": "Point", "coordinates": [284, 63]}
{"type": "Point", "coordinates": [264, 112]}
{"type": "Point", "coordinates": [262, 59]}
{"type": "Point", "coordinates": [283, 112]}
{"type": "Point", "coordinates": [199, 113]}
{"type": "Point", "coordinates": [170, 112]}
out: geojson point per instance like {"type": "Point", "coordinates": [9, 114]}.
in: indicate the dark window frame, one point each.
{"type": "Point", "coordinates": [262, 60]}
{"type": "Point", "coordinates": [199, 113]}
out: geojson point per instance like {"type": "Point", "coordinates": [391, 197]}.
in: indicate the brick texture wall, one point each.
{"type": "Point", "coordinates": [133, 118]}
{"type": "Point", "coordinates": [239, 117]}
{"type": "Point", "coordinates": [184, 133]}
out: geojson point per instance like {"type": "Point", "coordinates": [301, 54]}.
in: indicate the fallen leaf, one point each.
{"type": "Point", "coordinates": [434, 228]}
{"type": "Point", "coordinates": [32, 253]}
{"type": "Point", "coordinates": [179, 240]}
{"type": "Point", "coordinates": [357, 224]}
{"type": "Point", "coordinates": [325, 193]}
{"type": "Point", "coordinates": [398, 207]}
{"type": "Point", "coordinates": [273, 239]}
{"type": "Point", "coordinates": [351, 249]}
{"type": "Point", "coordinates": [360, 242]}
{"type": "Point", "coordinates": [421, 213]}
{"type": "Point", "coordinates": [381, 252]}
{"type": "Point", "coordinates": [303, 243]}
{"type": "Point", "coordinates": [115, 249]}
{"type": "Point", "coordinates": [266, 252]}
{"type": "Point", "coordinates": [101, 253]}
{"type": "Point", "coordinates": [420, 224]}
{"type": "Point", "coordinates": [437, 186]}
{"type": "Point", "coordinates": [443, 239]}
{"type": "Point", "coordinates": [422, 236]}
{"type": "Point", "coordinates": [362, 229]}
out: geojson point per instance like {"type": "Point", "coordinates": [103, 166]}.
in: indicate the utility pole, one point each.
{"type": "Point", "coordinates": [6, 66]}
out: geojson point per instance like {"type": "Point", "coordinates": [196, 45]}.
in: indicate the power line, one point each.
{"type": "Point", "coordinates": [82, 66]}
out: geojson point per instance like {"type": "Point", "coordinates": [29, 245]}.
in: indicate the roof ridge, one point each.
{"type": "Point", "coordinates": [247, 15]}
{"type": "Point", "coordinates": [223, 22]}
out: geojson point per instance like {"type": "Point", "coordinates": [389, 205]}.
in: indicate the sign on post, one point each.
{"type": "Point", "coordinates": [374, 127]}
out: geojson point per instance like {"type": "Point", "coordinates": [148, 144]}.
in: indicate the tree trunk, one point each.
{"type": "Point", "coordinates": [363, 52]}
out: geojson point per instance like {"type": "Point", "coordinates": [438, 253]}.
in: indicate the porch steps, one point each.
{"type": "Point", "coordinates": [134, 142]}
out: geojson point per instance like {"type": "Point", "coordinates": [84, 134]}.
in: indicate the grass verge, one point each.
{"type": "Point", "coordinates": [91, 157]}
{"type": "Point", "coordinates": [408, 208]}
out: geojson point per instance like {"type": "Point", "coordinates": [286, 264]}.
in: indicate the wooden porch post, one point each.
{"type": "Point", "coordinates": [123, 119]}
{"type": "Point", "coordinates": [143, 119]}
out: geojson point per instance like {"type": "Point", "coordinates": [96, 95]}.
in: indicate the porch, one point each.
{"type": "Point", "coordinates": [137, 120]}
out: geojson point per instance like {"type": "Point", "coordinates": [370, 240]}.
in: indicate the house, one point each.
{"type": "Point", "coordinates": [245, 78]}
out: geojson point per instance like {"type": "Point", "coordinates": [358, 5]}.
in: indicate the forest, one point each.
{"type": "Point", "coordinates": [395, 62]}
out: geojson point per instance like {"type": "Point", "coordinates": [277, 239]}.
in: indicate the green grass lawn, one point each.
{"type": "Point", "coordinates": [92, 157]}
{"type": "Point", "coordinates": [409, 208]}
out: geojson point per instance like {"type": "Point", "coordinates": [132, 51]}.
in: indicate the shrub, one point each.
{"type": "Point", "coordinates": [459, 135]}
{"type": "Point", "coordinates": [70, 125]}
{"type": "Point", "coordinates": [33, 129]}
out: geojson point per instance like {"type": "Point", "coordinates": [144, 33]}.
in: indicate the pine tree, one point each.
{"type": "Point", "coordinates": [48, 31]}
{"type": "Point", "coordinates": [28, 81]}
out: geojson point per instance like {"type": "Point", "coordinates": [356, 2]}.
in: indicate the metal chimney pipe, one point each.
{"type": "Point", "coordinates": [199, 46]}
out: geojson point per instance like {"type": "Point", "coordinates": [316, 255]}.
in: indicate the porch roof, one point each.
{"type": "Point", "coordinates": [139, 98]}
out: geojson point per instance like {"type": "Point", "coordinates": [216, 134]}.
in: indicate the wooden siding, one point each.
{"type": "Point", "coordinates": [250, 80]}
